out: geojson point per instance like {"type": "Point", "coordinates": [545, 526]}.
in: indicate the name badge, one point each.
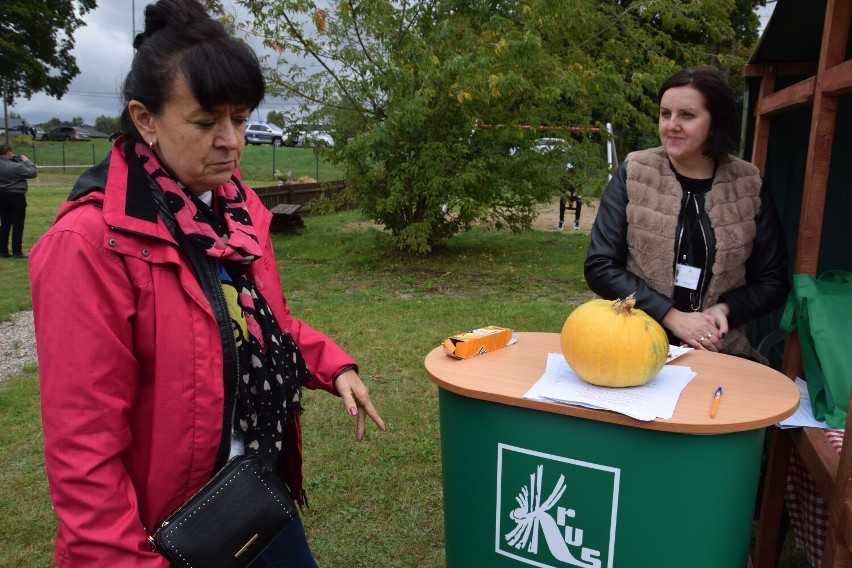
{"type": "Point", "coordinates": [687, 276]}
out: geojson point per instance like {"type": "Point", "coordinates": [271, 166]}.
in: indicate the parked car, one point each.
{"type": "Point", "coordinates": [315, 138]}
{"type": "Point", "coordinates": [90, 130]}
{"type": "Point", "coordinates": [39, 134]}
{"type": "Point", "coordinates": [544, 145]}
{"type": "Point", "coordinates": [23, 130]}
{"type": "Point", "coordinates": [264, 133]}
{"type": "Point", "coordinates": [67, 134]}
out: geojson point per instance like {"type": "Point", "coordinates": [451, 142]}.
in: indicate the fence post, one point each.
{"type": "Point", "coordinates": [273, 162]}
{"type": "Point", "coordinates": [35, 161]}
{"type": "Point", "coordinates": [317, 157]}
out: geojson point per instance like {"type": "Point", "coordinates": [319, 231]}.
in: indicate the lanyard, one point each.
{"type": "Point", "coordinates": [690, 229]}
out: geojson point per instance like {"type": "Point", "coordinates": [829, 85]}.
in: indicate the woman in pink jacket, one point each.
{"type": "Point", "coordinates": [165, 343]}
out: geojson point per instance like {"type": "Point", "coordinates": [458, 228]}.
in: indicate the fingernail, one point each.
{"type": "Point", "coordinates": [353, 411]}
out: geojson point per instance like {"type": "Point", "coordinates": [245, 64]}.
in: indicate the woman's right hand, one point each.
{"type": "Point", "coordinates": [695, 329]}
{"type": "Point", "coordinates": [356, 400]}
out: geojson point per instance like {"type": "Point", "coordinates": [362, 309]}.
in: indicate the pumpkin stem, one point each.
{"type": "Point", "coordinates": [625, 307]}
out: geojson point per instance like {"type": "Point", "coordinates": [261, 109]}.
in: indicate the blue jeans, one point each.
{"type": "Point", "coordinates": [288, 550]}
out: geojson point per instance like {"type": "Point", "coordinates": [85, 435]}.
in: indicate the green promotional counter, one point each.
{"type": "Point", "coordinates": [554, 485]}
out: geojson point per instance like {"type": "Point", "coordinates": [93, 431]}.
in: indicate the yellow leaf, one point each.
{"type": "Point", "coordinates": [492, 82]}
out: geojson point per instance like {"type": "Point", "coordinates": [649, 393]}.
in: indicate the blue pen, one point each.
{"type": "Point", "coordinates": [716, 398]}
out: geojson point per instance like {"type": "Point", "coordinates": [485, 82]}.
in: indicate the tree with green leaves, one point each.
{"type": "Point", "coordinates": [36, 40]}
{"type": "Point", "coordinates": [106, 124]}
{"type": "Point", "coordinates": [438, 102]}
{"type": "Point", "coordinates": [52, 123]}
{"type": "Point", "coordinates": [277, 118]}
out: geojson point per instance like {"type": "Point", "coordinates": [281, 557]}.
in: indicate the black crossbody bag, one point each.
{"type": "Point", "coordinates": [229, 521]}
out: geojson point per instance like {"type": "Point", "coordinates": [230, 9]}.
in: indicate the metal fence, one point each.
{"type": "Point", "coordinates": [262, 162]}
{"type": "Point", "coordinates": [73, 156]}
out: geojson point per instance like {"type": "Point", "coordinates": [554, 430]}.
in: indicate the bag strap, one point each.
{"type": "Point", "coordinates": [788, 318]}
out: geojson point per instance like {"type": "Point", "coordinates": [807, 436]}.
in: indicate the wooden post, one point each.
{"type": "Point", "coordinates": [838, 15]}
{"type": "Point", "coordinates": [762, 121]}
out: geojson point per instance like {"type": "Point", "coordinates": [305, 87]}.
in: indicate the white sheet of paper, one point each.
{"type": "Point", "coordinates": [804, 415]}
{"type": "Point", "coordinates": [676, 351]}
{"type": "Point", "coordinates": [655, 399]}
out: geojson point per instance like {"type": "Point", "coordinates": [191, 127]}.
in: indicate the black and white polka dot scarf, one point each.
{"type": "Point", "coordinates": [272, 370]}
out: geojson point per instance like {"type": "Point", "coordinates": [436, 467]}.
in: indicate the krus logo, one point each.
{"type": "Point", "coordinates": [554, 511]}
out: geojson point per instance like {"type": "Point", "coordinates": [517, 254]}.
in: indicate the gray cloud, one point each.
{"type": "Point", "coordinates": [104, 51]}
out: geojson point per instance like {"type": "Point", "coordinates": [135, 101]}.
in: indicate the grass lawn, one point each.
{"type": "Point", "coordinates": [372, 504]}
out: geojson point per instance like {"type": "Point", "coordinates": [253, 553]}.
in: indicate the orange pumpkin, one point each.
{"type": "Point", "coordinates": [612, 344]}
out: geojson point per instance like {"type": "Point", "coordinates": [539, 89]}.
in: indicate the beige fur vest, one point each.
{"type": "Point", "coordinates": [654, 203]}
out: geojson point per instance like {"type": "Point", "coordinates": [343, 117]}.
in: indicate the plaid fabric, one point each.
{"type": "Point", "coordinates": [808, 512]}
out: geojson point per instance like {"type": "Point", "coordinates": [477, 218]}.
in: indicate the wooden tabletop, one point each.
{"type": "Point", "coordinates": [754, 396]}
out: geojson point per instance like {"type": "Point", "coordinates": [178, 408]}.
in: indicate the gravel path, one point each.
{"type": "Point", "coordinates": [17, 344]}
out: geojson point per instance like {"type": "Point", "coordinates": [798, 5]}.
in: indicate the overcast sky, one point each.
{"type": "Point", "coordinates": [103, 50]}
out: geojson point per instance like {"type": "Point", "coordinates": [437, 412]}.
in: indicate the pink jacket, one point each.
{"type": "Point", "coordinates": [130, 364]}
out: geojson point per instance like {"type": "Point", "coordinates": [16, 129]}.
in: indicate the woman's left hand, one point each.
{"type": "Point", "coordinates": [356, 400]}
{"type": "Point", "coordinates": [719, 312]}
{"type": "Point", "coordinates": [696, 329]}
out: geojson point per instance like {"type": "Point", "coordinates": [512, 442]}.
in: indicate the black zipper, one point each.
{"type": "Point", "coordinates": [681, 257]}
{"type": "Point", "coordinates": [702, 279]}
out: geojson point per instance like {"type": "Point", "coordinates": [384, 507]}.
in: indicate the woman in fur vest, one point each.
{"type": "Point", "coordinates": [690, 229]}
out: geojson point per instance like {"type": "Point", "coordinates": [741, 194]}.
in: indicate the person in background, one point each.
{"type": "Point", "coordinates": [14, 173]}
{"type": "Point", "coordinates": [165, 343]}
{"type": "Point", "coordinates": [568, 193]}
{"type": "Point", "coordinates": [689, 228]}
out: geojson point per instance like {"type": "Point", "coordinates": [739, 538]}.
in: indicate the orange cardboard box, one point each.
{"type": "Point", "coordinates": [477, 342]}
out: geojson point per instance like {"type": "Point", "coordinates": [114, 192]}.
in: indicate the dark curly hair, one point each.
{"type": "Point", "coordinates": [181, 39]}
{"type": "Point", "coordinates": [719, 100]}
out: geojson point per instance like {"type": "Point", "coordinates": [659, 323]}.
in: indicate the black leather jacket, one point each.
{"type": "Point", "coordinates": [767, 281]}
